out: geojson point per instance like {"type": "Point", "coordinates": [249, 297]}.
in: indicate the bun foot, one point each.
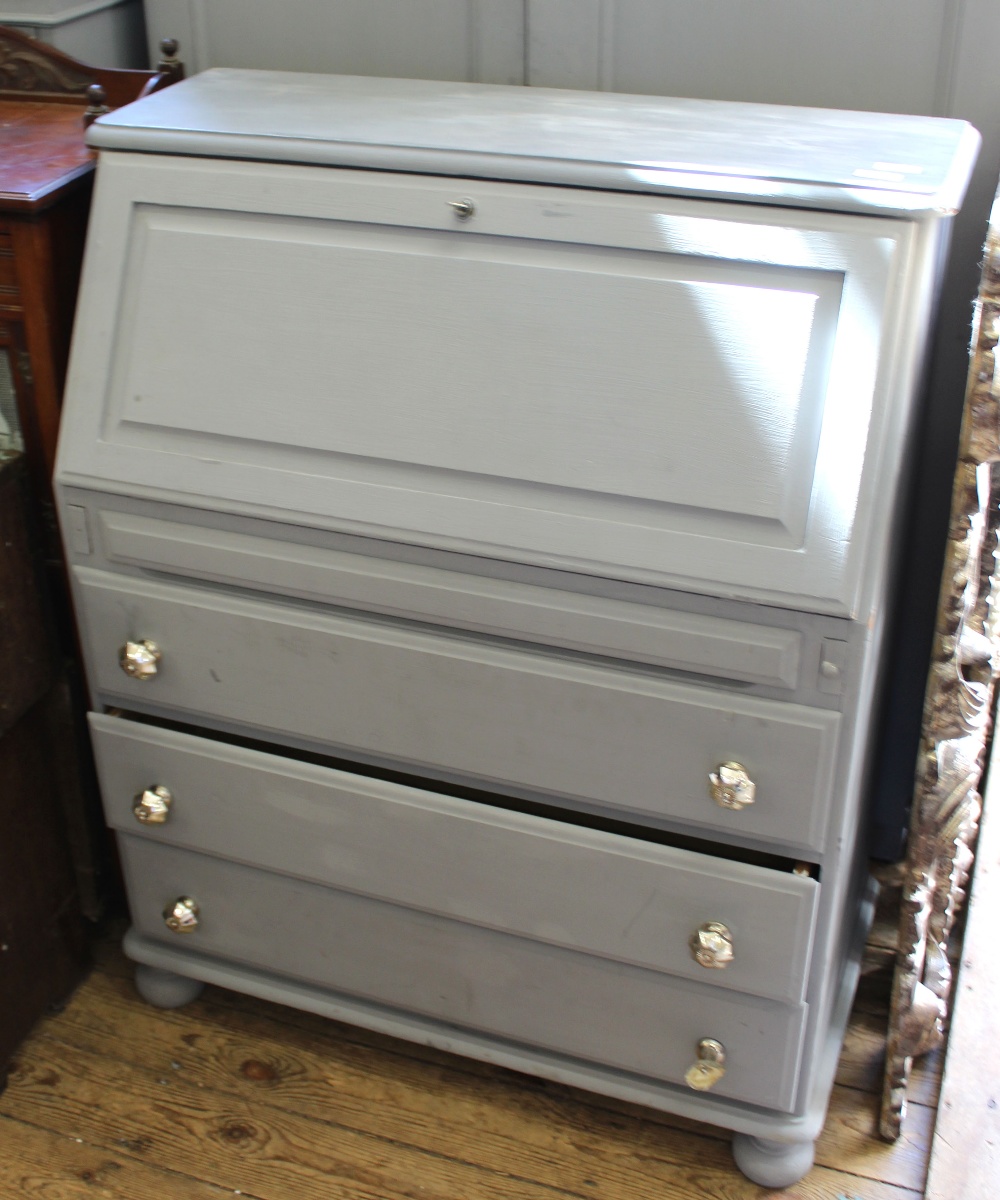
{"type": "Point", "coordinates": [772, 1164]}
{"type": "Point", "coordinates": [164, 989]}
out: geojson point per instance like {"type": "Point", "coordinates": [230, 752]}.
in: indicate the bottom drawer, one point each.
{"type": "Point", "coordinates": [575, 1004]}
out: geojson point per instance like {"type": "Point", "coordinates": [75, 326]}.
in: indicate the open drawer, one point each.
{"type": "Point", "coordinates": [618, 897]}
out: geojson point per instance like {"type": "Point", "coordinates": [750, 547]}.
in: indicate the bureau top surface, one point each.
{"type": "Point", "coordinates": [804, 157]}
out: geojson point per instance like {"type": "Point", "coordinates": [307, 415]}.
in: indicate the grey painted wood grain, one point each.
{"type": "Point", "coordinates": [824, 158]}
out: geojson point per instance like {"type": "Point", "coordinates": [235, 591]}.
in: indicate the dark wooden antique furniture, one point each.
{"type": "Point", "coordinates": [46, 172]}
{"type": "Point", "coordinates": [53, 855]}
{"type": "Point", "coordinates": [42, 946]}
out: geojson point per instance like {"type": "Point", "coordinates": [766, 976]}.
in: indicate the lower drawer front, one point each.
{"type": "Point", "coordinates": [583, 889]}
{"type": "Point", "coordinates": [585, 1007]}
{"type": "Point", "coordinates": [496, 716]}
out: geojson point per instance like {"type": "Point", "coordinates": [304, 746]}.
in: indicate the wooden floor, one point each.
{"type": "Point", "coordinates": [233, 1096]}
{"type": "Point", "coordinates": [965, 1155]}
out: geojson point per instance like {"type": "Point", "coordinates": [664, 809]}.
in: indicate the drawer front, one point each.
{"type": "Point", "coordinates": [500, 717]}
{"type": "Point", "coordinates": [695, 642]}
{"type": "Point", "coordinates": [586, 1007]}
{"type": "Point", "coordinates": [564, 885]}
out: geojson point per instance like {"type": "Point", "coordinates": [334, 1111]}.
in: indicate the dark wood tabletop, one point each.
{"type": "Point", "coordinates": [47, 100]}
{"type": "Point", "coordinates": [42, 152]}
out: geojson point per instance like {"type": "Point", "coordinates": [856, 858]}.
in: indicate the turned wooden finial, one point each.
{"type": "Point", "coordinates": [96, 104]}
{"type": "Point", "coordinates": [170, 64]}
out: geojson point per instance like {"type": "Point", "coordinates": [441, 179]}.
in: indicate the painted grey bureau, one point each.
{"type": "Point", "coordinates": [481, 504]}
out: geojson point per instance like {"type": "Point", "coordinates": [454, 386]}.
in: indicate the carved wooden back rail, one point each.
{"type": "Point", "coordinates": [33, 70]}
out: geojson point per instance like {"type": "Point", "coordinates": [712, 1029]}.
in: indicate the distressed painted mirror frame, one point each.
{"type": "Point", "coordinates": [956, 719]}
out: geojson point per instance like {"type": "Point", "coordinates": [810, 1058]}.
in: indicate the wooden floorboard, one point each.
{"type": "Point", "coordinates": [965, 1155]}
{"type": "Point", "coordinates": [232, 1095]}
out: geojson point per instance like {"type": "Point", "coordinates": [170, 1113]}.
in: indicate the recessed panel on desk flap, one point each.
{"type": "Point", "coordinates": [669, 391]}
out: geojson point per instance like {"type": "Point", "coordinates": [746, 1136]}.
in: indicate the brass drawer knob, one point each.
{"type": "Point", "coordinates": [140, 660]}
{"type": "Point", "coordinates": [152, 807]}
{"type": "Point", "coordinates": [710, 1067]}
{"type": "Point", "coordinates": [712, 945]}
{"type": "Point", "coordinates": [731, 786]}
{"type": "Point", "coordinates": [182, 915]}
